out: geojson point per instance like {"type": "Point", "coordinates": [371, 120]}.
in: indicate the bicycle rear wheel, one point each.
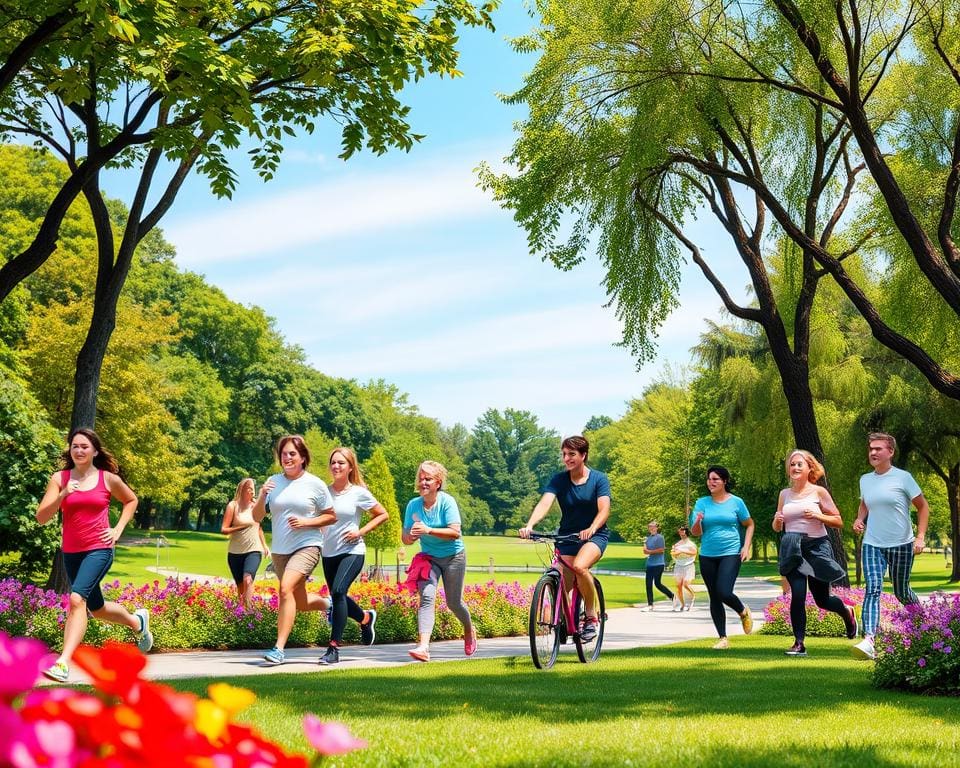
{"type": "Point", "coordinates": [544, 634]}
{"type": "Point", "coordinates": [589, 651]}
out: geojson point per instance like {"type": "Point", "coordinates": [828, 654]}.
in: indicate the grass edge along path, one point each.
{"type": "Point", "coordinates": [683, 705]}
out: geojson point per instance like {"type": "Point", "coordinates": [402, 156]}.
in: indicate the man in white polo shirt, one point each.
{"type": "Point", "coordinates": [885, 498]}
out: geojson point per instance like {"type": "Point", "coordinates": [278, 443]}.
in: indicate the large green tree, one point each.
{"type": "Point", "coordinates": [509, 459]}
{"type": "Point", "coordinates": [187, 87]}
{"type": "Point", "coordinates": [379, 481]}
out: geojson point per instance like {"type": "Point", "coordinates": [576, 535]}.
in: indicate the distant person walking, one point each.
{"type": "Point", "coordinates": [684, 554]}
{"type": "Point", "coordinates": [247, 546]}
{"type": "Point", "coordinates": [718, 519]}
{"type": "Point", "coordinates": [654, 548]}
{"type": "Point", "coordinates": [433, 519]}
{"type": "Point", "coordinates": [344, 550]}
{"type": "Point", "coordinates": [299, 505]}
{"type": "Point", "coordinates": [82, 491]}
{"type": "Point", "coordinates": [804, 512]}
{"type": "Point", "coordinates": [884, 518]}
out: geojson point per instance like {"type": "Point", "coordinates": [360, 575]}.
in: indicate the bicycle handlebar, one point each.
{"type": "Point", "coordinates": [554, 537]}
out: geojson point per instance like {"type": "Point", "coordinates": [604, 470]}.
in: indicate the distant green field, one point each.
{"type": "Point", "coordinates": [205, 554]}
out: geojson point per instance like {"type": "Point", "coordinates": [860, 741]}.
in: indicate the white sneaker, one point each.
{"type": "Point", "coordinates": [144, 636]}
{"type": "Point", "coordinates": [676, 606]}
{"type": "Point", "coordinates": [647, 608]}
{"type": "Point", "coordinates": [864, 649]}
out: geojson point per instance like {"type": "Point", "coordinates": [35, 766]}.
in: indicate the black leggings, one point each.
{"type": "Point", "coordinates": [341, 571]}
{"type": "Point", "coordinates": [654, 574]}
{"type": "Point", "coordinates": [821, 596]}
{"type": "Point", "coordinates": [720, 574]}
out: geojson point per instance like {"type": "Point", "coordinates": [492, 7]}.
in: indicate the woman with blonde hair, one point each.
{"type": "Point", "coordinates": [343, 548]}
{"type": "Point", "coordinates": [804, 511]}
{"type": "Point", "coordinates": [247, 546]}
{"type": "Point", "coordinates": [433, 519]}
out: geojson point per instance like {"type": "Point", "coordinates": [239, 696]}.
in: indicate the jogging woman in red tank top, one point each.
{"type": "Point", "coordinates": [82, 492]}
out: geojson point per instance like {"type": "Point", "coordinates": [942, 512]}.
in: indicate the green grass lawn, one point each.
{"type": "Point", "coordinates": [681, 705]}
{"type": "Point", "coordinates": [205, 554]}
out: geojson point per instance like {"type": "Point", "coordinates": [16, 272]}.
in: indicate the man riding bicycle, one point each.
{"type": "Point", "coordinates": [584, 498]}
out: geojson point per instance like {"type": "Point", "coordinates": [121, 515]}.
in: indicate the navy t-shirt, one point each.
{"type": "Point", "coordinates": [578, 503]}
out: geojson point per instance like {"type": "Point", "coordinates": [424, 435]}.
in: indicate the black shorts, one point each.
{"type": "Point", "coordinates": [244, 563]}
{"type": "Point", "coordinates": [600, 538]}
{"type": "Point", "coordinates": [86, 570]}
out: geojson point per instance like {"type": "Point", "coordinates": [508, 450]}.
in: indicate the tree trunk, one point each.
{"type": "Point", "coordinates": [57, 580]}
{"type": "Point", "coordinates": [183, 516]}
{"type": "Point", "coordinates": [953, 496]}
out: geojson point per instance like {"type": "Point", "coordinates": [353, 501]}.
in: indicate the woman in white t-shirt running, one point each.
{"type": "Point", "coordinates": [343, 548]}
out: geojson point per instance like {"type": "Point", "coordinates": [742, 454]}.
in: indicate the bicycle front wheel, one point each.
{"type": "Point", "coordinates": [590, 651]}
{"type": "Point", "coordinates": [544, 634]}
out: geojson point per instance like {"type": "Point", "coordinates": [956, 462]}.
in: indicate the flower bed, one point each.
{"type": "Point", "coordinates": [129, 721]}
{"type": "Point", "coordinates": [191, 614]}
{"type": "Point", "coordinates": [920, 648]}
{"type": "Point", "coordinates": [820, 623]}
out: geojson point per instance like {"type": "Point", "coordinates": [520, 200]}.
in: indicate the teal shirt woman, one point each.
{"type": "Point", "coordinates": [718, 518]}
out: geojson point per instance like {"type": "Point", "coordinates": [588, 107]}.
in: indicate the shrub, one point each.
{"type": "Point", "coordinates": [920, 649]}
{"type": "Point", "coordinates": [820, 623]}
{"type": "Point", "coordinates": [190, 614]}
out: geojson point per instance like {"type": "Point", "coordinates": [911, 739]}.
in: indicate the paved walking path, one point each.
{"type": "Point", "coordinates": [626, 628]}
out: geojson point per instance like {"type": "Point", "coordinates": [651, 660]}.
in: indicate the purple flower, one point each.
{"type": "Point", "coordinates": [921, 662]}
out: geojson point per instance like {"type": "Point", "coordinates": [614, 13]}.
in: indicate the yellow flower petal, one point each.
{"type": "Point", "coordinates": [231, 699]}
{"type": "Point", "coordinates": [211, 720]}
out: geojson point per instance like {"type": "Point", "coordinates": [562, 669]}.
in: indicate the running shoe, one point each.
{"type": "Point", "coordinates": [691, 602]}
{"type": "Point", "coordinates": [852, 626]}
{"type": "Point", "coordinates": [864, 650]}
{"type": "Point", "coordinates": [332, 656]}
{"type": "Point", "coordinates": [722, 644]}
{"type": "Point", "coordinates": [746, 621]}
{"type": "Point", "coordinates": [420, 653]}
{"type": "Point", "coordinates": [144, 636]}
{"type": "Point", "coordinates": [274, 656]}
{"type": "Point", "coordinates": [470, 643]}
{"type": "Point", "coordinates": [797, 649]}
{"type": "Point", "coordinates": [367, 632]}
{"type": "Point", "coordinates": [647, 608]}
{"type": "Point", "coordinates": [589, 631]}
{"type": "Point", "coordinates": [676, 605]}
{"type": "Point", "coordinates": [59, 672]}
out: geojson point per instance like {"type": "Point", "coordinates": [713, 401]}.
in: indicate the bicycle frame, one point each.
{"type": "Point", "coordinates": [568, 599]}
{"type": "Point", "coordinates": [556, 611]}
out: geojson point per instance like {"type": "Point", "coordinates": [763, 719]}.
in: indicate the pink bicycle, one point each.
{"type": "Point", "coordinates": [555, 618]}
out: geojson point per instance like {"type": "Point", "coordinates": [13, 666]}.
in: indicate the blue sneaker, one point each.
{"type": "Point", "coordinates": [274, 656]}
{"type": "Point", "coordinates": [144, 636]}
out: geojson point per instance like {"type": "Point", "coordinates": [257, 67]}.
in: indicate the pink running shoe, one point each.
{"type": "Point", "coordinates": [470, 643]}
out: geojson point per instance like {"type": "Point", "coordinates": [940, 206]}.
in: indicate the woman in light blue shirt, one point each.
{"type": "Point", "coordinates": [717, 518]}
{"type": "Point", "coordinates": [433, 519]}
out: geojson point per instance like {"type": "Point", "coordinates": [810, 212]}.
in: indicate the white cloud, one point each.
{"type": "Point", "coordinates": [392, 289]}
{"type": "Point", "coordinates": [482, 344]}
{"type": "Point", "coordinates": [343, 206]}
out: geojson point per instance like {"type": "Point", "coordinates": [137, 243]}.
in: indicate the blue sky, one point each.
{"type": "Point", "coordinates": [399, 267]}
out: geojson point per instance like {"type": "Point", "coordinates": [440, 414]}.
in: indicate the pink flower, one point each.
{"type": "Point", "coordinates": [21, 661]}
{"type": "Point", "coordinates": [330, 738]}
